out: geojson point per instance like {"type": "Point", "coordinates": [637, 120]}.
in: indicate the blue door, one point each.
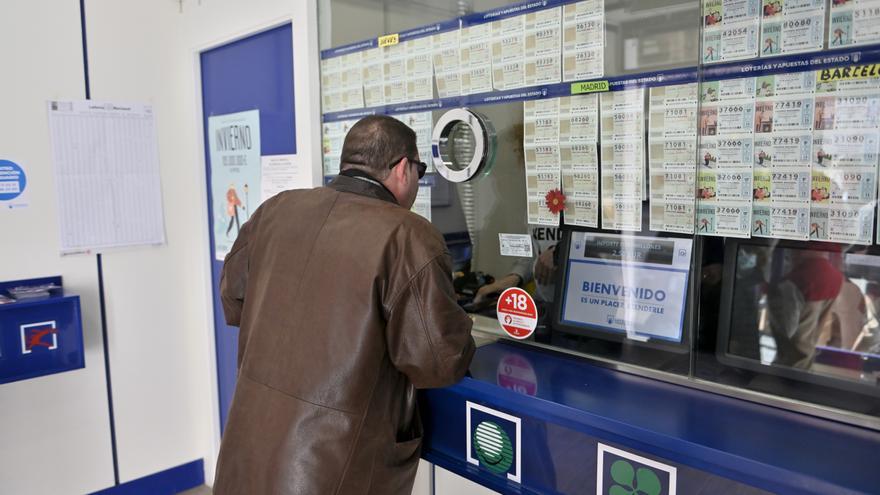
{"type": "Point", "coordinates": [255, 72]}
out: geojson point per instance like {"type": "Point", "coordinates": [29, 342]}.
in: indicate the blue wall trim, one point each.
{"type": "Point", "coordinates": [168, 482]}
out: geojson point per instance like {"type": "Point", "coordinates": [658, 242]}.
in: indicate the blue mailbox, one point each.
{"type": "Point", "coordinates": [40, 335]}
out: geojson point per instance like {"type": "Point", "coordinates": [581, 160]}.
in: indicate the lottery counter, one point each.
{"type": "Point", "coordinates": [664, 216]}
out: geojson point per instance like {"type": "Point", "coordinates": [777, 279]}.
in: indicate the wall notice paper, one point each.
{"type": "Point", "coordinates": [730, 30]}
{"type": "Point", "coordinates": [515, 245]}
{"type": "Point", "coordinates": [235, 174]}
{"type": "Point", "coordinates": [782, 145]}
{"type": "Point", "coordinates": [725, 156]}
{"type": "Point", "coordinates": [447, 63]}
{"type": "Point", "coordinates": [420, 69]}
{"type": "Point", "coordinates": [373, 77]}
{"type": "Point", "coordinates": [846, 133]}
{"type": "Point", "coordinates": [476, 59]}
{"type": "Point", "coordinates": [13, 185]}
{"type": "Point", "coordinates": [107, 174]}
{"type": "Point", "coordinates": [583, 40]}
{"type": "Point", "coordinates": [631, 285]}
{"type": "Point", "coordinates": [508, 53]}
{"type": "Point", "coordinates": [579, 158]}
{"type": "Point", "coordinates": [541, 152]}
{"type": "Point", "coordinates": [792, 26]}
{"type": "Point", "coordinates": [672, 145]}
{"type": "Point", "coordinates": [543, 48]}
{"type": "Point", "coordinates": [281, 173]}
{"type": "Point", "coordinates": [854, 22]}
{"type": "Point", "coordinates": [622, 167]}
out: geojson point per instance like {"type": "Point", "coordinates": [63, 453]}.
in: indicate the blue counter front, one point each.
{"type": "Point", "coordinates": [534, 421]}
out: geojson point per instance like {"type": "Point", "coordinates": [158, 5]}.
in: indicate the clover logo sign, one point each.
{"type": "Point", "coordinates": [624, 473]}
{"type": "Point", "coordinates": [630, 481]}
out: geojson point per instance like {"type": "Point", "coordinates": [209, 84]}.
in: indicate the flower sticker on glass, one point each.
{"type": "Point", "coordinates": [555, 201]}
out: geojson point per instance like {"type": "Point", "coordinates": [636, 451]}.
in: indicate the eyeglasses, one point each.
{"type": "Point", "coordinates": [422, 166]}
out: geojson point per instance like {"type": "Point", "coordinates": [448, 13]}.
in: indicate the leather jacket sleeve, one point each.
{"type": "Point", "coordinates": [428, 334]}
{"type": "Point", "coordinates": [233, 277]}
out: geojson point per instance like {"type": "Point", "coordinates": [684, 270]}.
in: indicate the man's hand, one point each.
{"type": "Point", "coordinates": [497, 286]}
{"type": "Point", "coordinates": [545, 267]}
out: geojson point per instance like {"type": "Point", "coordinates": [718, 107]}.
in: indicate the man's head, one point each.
{"type": "Point", "coordinates": [386, 149]}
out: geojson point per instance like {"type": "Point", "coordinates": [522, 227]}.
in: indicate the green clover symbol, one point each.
{"type": "Point", "coordinates": [641, 481]}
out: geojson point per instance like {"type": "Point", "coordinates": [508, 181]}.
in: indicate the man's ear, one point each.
{"type": "Point", "coordinates": [400, 169]}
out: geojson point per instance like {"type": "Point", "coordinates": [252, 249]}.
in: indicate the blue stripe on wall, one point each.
{"type": "Point", "coordinates": [168, 482]}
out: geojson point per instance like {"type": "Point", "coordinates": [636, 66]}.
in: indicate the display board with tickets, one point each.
{"type": "Point", "coordinates": [725, 156]}
{"type": "Point", "coordinates": [746, 130]}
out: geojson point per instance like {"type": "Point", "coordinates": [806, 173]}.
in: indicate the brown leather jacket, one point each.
{"type": "Point", "coordinates": [345, 304]}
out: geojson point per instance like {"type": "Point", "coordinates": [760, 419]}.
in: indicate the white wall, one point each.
{"type": "Point", "coordinates": [54, 429]}
{"type": "Point", "coordinates": [449, 483]}
{"type": "Point", "coordinates": [158, 300]}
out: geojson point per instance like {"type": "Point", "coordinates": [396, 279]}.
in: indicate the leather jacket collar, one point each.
{"type": "Point", "coordinates": [357, 181]}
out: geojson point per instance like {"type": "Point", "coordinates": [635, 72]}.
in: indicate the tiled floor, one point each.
{"type": "Point", "coordinates": [201, 490]}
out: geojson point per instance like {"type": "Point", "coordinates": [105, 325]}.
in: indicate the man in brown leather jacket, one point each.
{"type": "Point", "coordinates": [345, 304]}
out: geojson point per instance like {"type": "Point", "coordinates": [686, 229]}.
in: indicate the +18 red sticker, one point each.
{"type": "Point", "coordinates": [517, 313]}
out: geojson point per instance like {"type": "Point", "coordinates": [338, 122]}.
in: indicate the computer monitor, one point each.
{"type": "Point", "coordinates": [802, 311]}
{"type": "Point", "coordinates": [631, 289]}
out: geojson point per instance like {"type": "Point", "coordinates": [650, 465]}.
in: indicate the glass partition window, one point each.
{"type": "Point", "coordinates": [684, 188]}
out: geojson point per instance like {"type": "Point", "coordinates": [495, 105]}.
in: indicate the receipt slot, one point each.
{"type": "Point", "coordinates": [463, 145]}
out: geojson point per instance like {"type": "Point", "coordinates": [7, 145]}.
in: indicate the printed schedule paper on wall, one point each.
{"type": "Point", "coordinates": [107, 174]}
